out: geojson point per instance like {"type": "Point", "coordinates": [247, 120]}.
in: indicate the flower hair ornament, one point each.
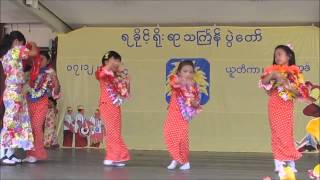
{"type": "Point", "coordinates": [290, 46]}
{"type": "Point", "coordinates": [106, 55]}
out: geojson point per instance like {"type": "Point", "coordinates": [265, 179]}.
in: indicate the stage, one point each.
{"type": "Point", "coordinates": [86, 164]}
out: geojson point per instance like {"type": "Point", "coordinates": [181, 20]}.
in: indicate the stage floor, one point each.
{"type": "Point", "coordinates": [86, 164]}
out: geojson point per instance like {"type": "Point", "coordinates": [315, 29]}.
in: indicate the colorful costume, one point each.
{"type": "Point", "coordinates": [311, 141]}
{"type": "Point", "coordinates": [68, 130]}
{"type": "Point", "coordinates": [97, 130]}
{"type": "Point", "coordinates": [50, 136]}
{"type": "Point", "coordinates": [80, 121]}
{"type": "Point", "coordinates": [16, 131]}
{"type": "Point", "coordinates": [181, 111]}
{"type": "Point", "coordinates": [114, 88]}
{"type": "Point", "coordinates": [280, 111]}
{"type": "Point", "coordinates": [313, 126]}
{"type": "Point", "coordinates": [38, 108]}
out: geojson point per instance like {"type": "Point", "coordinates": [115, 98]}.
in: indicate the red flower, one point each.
{"type": "Point", "coordinates": [98, 73]}
{"type": "Point", "coordinates": [11, 132]}
{"type": "Point", "coordinates": [291, 77]}
{"type": "Point", "coordinates": [304, 91]}
{"type": "Point", "coordinates": [295, 69]}
{"type": "Point", "coordinates": [173, 79]}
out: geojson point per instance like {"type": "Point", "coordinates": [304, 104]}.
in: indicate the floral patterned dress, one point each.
{"type": "Point", "coordinates": [50, 136]}
{"type": "Point", "coordinates": [16, 132]}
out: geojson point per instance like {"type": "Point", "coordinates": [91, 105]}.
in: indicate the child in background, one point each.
{"type": "Point", "coordinates": [80, 125]}
{"type": "Point", "coordinates": [68, 127]}
{"type": "Point", "coordinates": [97, 130]}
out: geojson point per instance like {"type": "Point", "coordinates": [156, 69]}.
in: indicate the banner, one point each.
{"type": "Point", "coordinates": [230, 61]}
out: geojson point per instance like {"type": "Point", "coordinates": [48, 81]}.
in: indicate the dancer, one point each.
{"type": "Point", "coordinates": [43, 83]}
{"type": "Point", "coordinates": [114, 89]}
{"type": "Point", "coordinates": [283, 83]}
{"type": "Point", "coordinates": [184, 105]}
{"type": "Point", "coordinates": [16, 131]}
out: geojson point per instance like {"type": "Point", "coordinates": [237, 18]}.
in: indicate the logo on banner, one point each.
{"type": "Point", "coordinates": [201, 76]}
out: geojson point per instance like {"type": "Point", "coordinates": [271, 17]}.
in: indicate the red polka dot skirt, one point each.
{"type": "Point", "coordinates": [281, 123]}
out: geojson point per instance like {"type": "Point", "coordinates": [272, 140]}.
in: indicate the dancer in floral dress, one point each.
{"type": "Point", "coordinates": [16, 131]}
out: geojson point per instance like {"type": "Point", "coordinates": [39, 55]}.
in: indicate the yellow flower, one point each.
{"type": "Point", "coordinates": [11, 124]}
{"type": "Point", "coordinates": [313, 128]}
{"type": "Point", "coordinates": [17, 136]}
{"type": "Point", "coordinates": [15, 53]}
{"type": "Point", "coordinates": [289, 174]}
{"type": "Point", "coordinates": [282, 93]}
{"type": "Point", "coordinates": [300, 78]}
{"type": "Point", "coordinates": [13, 96]}
{"type": "Point", "coordinates": [316, 170]}
{"type": "Point", "coordinates": [199, 77]}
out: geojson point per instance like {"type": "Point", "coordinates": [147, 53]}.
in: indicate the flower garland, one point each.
{"type": "Point", "coordinates": [41, 86]}
{"type": "Point", "coordinates": [186, 94]}
{"type": "Point", "coordinates": [295, 79]}
{"type": "Point", "coordinates": [117, 84]}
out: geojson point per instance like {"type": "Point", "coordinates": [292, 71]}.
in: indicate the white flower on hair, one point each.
{"type": "Point", "coordinates": [290, 46]}
{"type": "Point", "coordinates": [106, 55]}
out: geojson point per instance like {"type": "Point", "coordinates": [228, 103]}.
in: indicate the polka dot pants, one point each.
{"type": "Point", "coordinates": [116, 149]}
{"type": "Point", "coordinates": [176, 131]}
{"type": "Point", "coordinates": [38, 111]}
{"type": "Point", "coordinates": [281, 123]}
